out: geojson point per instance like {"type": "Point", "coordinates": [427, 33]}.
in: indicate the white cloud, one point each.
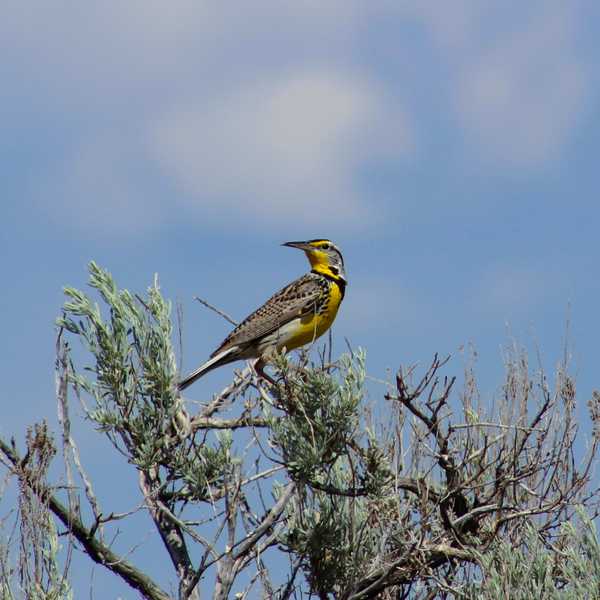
{"type": "Point", "coordinates": [516, 81]}
{"type": "Point", "coordinates": [99, 54]}
{"type": "Point", "coordinates": [95, 191]}
{"type": "Point", "coordinates": [270, 114]}
{"type": "Point", "coordinates": [284, 148]}
{"type": "Point", "coordinates": [235, 128]}
{"type": "Point", "coordinates": [521, 99]}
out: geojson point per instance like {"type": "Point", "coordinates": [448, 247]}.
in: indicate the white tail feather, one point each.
{"type": "Point", "coordinates": [209, 365]}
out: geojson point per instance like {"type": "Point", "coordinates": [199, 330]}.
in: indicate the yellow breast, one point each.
{"type": "Point", "coordinates": [315, 325]}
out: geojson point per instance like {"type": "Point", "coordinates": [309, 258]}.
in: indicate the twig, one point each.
{"type": "Point", "coordinates": [395, 574]}
{"type": "Point", "coordinates": [497, 425]}
{"type": "Point", "coordinates": [96, 550]}
{"type": "Point", "coordinates": [239, 384]}
{"type": "Point", "coordinates": [201, 422]}
{"type": "Point", "coordinates": [169, 530]}
{"type": "Point", "coordinates": [244, 545]}
{"type": "Point", "coordinates": [217, 310]}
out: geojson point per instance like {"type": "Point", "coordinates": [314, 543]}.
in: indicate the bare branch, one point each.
{"type": "Point", "coordinates": [217, 310]}
{"type": "Point", "coordinates": [202, 422]}
{"type": "Point", "coordinates": [169, 530]}
{"type": "Point", "coordinates": [96, 550]}
{"type": "Point", "coordinates": [402, 570]}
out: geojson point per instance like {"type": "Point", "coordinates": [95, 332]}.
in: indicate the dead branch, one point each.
{"type": "Point", "coordinates": [96, 550]}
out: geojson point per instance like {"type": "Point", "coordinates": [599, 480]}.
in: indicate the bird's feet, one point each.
{"type": "Point", "coordinates": [259, 368]}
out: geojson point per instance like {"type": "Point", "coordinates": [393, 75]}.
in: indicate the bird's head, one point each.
{"type": "Point", "coordinates": [324, 256]}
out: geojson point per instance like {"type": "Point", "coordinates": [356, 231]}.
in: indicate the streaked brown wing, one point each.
{"type": "Point", "coordinates": [296, 299]}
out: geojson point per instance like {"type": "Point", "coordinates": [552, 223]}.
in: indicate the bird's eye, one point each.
{"type": "Point", "coordinates": [325, 247]}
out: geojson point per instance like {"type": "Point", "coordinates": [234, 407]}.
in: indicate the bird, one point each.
{"type": "Point", "coordinates": [295, 316]}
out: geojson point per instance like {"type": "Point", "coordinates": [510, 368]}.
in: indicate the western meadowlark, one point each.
{"type": "Point", "coordinates": [296, 315]}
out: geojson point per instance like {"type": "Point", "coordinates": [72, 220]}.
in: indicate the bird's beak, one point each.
{"type": "Point", "coordinates": [300, 245]}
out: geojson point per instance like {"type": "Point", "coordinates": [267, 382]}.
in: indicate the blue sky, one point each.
{"type": "Point", "coordinates": [451, 150]}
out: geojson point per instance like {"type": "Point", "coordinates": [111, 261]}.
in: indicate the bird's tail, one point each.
{"type": "Point", "coordinates": [222, 358]}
